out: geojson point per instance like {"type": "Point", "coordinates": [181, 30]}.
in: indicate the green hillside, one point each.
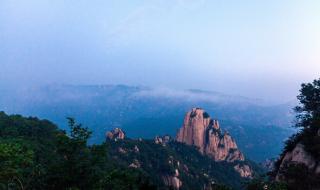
{"type": "Point", "coordinates": [35, 154]}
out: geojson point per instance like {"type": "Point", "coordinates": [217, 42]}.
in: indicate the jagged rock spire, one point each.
{"type": "Point", "coordinates": [200, 130]}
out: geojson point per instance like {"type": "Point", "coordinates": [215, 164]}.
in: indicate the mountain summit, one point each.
{"type": "Point", "coordinates": [205, 133]}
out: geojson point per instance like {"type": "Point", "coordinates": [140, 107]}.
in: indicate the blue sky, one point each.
{"type": "Point", "coordinates": [261, 49]}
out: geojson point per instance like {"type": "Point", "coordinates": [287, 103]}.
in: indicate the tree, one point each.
{"type": "Point", "coordinates": [298, 175]}
{"type": "Point", "coordinates": [77, 132]}
{"type": "Point", "coordinates": [16, 165]}
{"type": "Point", "coordinates": [72, 168]}
{"type": "Point", "coordinates": [308, 112]}
{"type": "Point", "coordinates": [263, 184]}
{"type": "Point", "coordinates": [308, 117]}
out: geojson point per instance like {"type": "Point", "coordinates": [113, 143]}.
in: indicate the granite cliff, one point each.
{"type": "Point", "coordinates": [200, 130]}
{"type": "Point", "coordinates": [298, 156]}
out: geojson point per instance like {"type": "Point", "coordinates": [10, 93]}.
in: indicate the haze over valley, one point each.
{"type": "Point", "coordinates": [146, 112]}
{"type": "Point", "coordinates": [159, 95]}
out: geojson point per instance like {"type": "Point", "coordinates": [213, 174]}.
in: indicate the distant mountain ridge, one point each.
{"type": "Point", "coordinates": [147, 112]}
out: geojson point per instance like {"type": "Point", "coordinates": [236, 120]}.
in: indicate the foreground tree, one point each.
{"type": "Point", "coordinates": [292, 174]}
{"type": "Point", "coordinates": [35, 154]}
{"type": "Point", "coordinates": [16, 165]}
{"type": "Point", "coordinates": [299, 174]}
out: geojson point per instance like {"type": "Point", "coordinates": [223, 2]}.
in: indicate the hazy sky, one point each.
{"type": "Point", "coordinates": [262, 49]}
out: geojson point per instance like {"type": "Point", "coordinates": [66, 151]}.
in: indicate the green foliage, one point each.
{"type": "Point", "coordinates": [309, 109]}
{"type": "Point", "coordinates": [295, 175]}
{"type": "Point", "coordinates": [78, 132]}
{"type": "Point", "coordinates": [219, 187]}
{"type": "Point", "coordinates": [308, 117]}
{"type": "Point", "coordinates": [206, 115]}
{"type": "Point", "coordinates": [265, 184]}
{"type": "Point", "coordinates": [299, 176]}
{"type": "Point", "coordinates": [16, 164]}
{"type": "Point", "coordinates": [126, 179]}
{"type": "Point", "coordinates": [158, 161]}
{"type": "Point", "coordinates": [35, 154]}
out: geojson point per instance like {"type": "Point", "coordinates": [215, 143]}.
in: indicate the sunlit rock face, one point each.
{"type": "Point", "coordinates": [194, 129]}
{"type": "Point", "coordinates": [115, 134]}
{"type": "Point", "coordinates": [173, 181]}
{"type": "Point", "coordinates": [200, 130]}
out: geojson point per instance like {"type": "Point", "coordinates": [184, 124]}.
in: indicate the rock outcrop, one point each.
{"type": "Point", "coordinates": [299, 164]}
{"type": "Point", "coordinates": [243, 170]}
{"type": "Point", "coordinates": [162, 140]}
{"type": "Point", "coordinates": [115, 134]}
{"type": "Point", "coordinates": [203, 132]}
{"type": "Point", "coordinates": [135, 164]}
{"type": "Point", "coordinates": [299, 156]}
{"type": "Point", "coordinates": [173, 181]}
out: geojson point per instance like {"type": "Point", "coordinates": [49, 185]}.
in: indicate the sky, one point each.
{"type": "Point", "coordinates": [259, 49]}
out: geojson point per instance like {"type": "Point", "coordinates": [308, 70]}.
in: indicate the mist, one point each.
{"type": "Point", "coordinates": [262, 50]}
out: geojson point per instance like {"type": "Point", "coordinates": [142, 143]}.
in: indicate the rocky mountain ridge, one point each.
{"type": "Point", "coordinates": [199, 132]}
{"type": "Point", "coordinates": [176, 165]}
{"type": "Point", "coordinates": [147, 112]}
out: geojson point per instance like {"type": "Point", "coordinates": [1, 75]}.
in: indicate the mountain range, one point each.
{"type": "Point", "coordinates": [146, 112]}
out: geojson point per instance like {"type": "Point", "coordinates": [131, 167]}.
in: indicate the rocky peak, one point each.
{"type": "Point", "coordinates": [200, 130]}
{"type": "Point", "coordinates": [115, 134]}
{"type": "Point", "coordinates": [194, 128]}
